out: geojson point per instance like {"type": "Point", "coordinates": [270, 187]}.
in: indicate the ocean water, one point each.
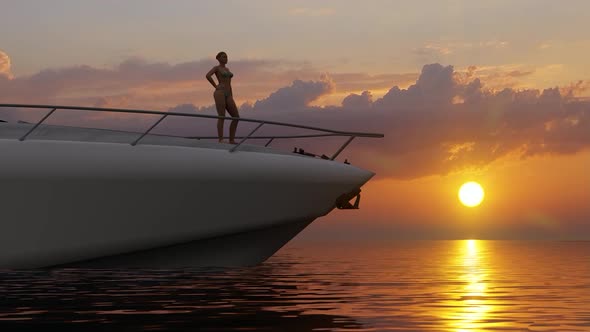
{"type": "Point", "coordinates": [469, 285]}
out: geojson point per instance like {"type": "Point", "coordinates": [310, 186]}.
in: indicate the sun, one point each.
{"type": "Point", "coordinates": [471, 194]}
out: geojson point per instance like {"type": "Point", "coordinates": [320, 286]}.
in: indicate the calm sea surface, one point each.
{"type": "Point", "coordinates": [403, 286]}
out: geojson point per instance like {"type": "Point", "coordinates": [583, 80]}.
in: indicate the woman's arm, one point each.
{"type": "Point", "coordinates": [209, 74]}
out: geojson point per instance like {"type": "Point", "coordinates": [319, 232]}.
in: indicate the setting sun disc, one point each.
{"type": "Point", "coordinates": [471, 194]}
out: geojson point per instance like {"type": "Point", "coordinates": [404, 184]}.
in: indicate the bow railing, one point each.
{"type": "Point", "coordinates": [163, 115]}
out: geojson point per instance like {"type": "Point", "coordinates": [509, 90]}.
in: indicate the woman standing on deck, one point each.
{"type": "Point", "coordinates": [223, 96]}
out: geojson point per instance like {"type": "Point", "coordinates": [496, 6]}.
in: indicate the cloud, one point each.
{"type": "Point", "coordinates": [500, 77]}
{"type": "Point", "coordinates": [575, 89]}
{"type": "Point", "coordinates": [296, 96]}
{"type": "Point", "coordinates": [137, 83]}
{"type": "Point", "coordinates": [428, 132]}
{"type": "Point", "coordinates": [134, 81]}
{"type": "Point", "coordinates": [5, 65]}
{"type": "Point", "coordinates": [354, 101]}
{"type": "Point", "coordinates": [434, 87]}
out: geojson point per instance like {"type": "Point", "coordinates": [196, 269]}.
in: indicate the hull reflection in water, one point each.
{"type": "Point", "coordinates": [401, 286]}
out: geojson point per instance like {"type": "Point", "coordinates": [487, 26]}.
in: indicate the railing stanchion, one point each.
{"type": "Point", "coordinates": [37, 125]}
{"type": "Point", "coordinates": [342, 147]}
{"type": "Point", "coordinates": [268, 143]}
{"type": "Point", "coordinates": [245, 138]}
{"type": "Point", "coordinates": [150, 129]}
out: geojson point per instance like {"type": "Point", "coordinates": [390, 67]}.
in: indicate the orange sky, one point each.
{"type": "Point", "coordinates": [544, 197]}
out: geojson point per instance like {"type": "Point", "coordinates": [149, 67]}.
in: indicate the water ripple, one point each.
{"type": "Point", "coordinates": [408, 286]}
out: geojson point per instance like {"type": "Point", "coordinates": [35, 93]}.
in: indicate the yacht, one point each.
{"type": "Point", "coordinates": [98, 198]}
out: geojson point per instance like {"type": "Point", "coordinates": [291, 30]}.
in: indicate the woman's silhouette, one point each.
{"type": "Point", "coordinates": [223, 96]}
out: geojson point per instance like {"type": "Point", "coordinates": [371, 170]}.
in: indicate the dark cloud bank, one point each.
{"type": "Point", "coordinates": [437, 125]}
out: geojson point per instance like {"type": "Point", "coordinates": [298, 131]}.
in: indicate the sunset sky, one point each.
{"type": "Point", "coordinates": [492, 91]}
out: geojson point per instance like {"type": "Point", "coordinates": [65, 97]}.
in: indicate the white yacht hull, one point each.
{"type": "Point", "coordinates": [80, 203]}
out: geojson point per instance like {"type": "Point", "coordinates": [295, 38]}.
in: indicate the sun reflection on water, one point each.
{"type": "Point", "coordinates": [469, 285]}
{"type": "Point", "coordinates": [472, 309]}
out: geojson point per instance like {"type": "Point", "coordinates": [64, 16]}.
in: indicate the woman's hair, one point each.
{"type": "Point", "coordinates": [219, 55]}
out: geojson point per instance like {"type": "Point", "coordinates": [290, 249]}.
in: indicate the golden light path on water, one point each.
{"type": "Point", "coordinates": [473, 308]}
{"type": "Point", "coordinates": [464, 285]}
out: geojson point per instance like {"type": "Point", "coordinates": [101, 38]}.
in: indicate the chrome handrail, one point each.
{"type": "Point", "coordinates": [330, 132]}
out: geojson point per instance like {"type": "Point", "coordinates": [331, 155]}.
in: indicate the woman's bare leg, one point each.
{"type": "Point", "coordinates": [232, 109]}
{"type": "Point", "coordinates": [219, 97]}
